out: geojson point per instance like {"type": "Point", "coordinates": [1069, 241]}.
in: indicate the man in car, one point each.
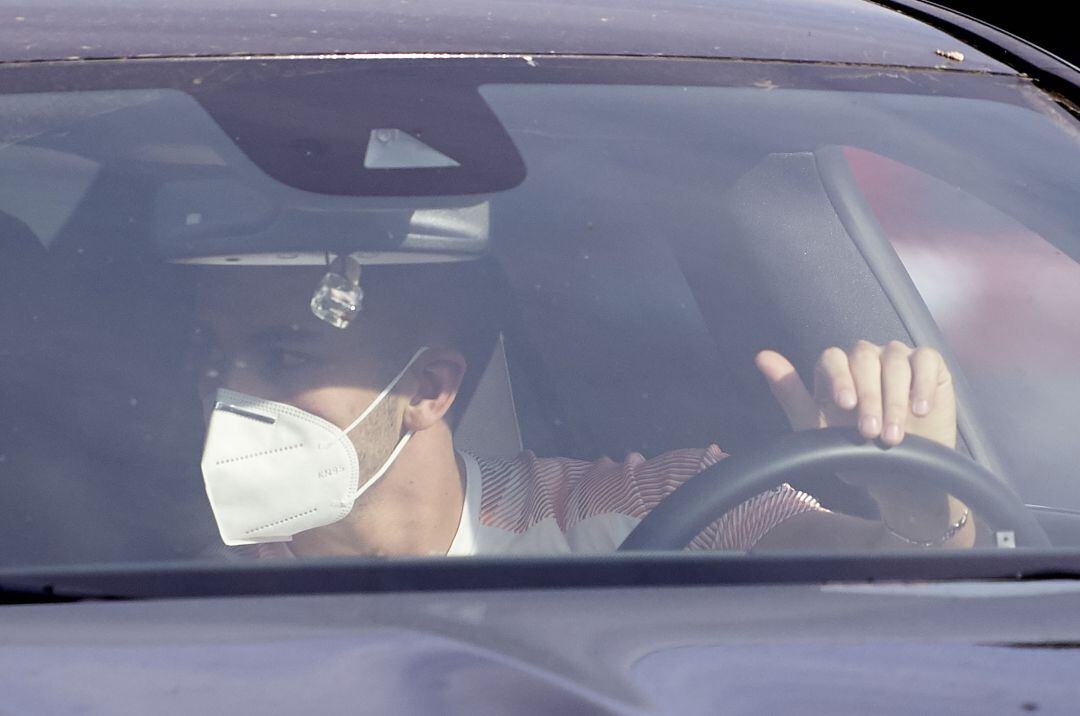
{"type": "Point", "coordinates": [378, 398]}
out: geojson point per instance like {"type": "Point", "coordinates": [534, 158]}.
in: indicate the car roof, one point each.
{"type": "Point", "coordinates": [831, 31]}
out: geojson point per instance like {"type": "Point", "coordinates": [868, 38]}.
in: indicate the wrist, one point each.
{"type": "Point", "coordinates": [918, 514]}
{"type": "Point", "coordinates": [953, 527]}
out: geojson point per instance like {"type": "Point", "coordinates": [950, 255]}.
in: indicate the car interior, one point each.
{"type": "Point", "coordinates": [628, 330]}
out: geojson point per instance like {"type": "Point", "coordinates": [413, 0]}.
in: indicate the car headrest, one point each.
{"type": "Point", "coordinates": [488, 426]}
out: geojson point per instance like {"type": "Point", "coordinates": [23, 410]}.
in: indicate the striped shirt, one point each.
{"type": "Point", "coordinates": [533, 505]}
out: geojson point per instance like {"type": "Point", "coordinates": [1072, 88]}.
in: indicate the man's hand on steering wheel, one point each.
{"type": "Point", "coordinates": [886, 392]}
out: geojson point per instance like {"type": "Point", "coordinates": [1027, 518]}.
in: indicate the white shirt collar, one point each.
{"type": "Point", "coordinates": [464, 543]}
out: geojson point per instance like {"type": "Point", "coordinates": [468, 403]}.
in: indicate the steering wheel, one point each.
{"type": "Point", "coordinates": [705, 497]}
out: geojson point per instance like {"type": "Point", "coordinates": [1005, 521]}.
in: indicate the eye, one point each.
{"type": "Point", "coordinates": [200, 350]}
{"type": "Point", "coordinates": [292, 359]}
{"type": "Point", "coordinates": [213, 363]}
{"type": "Point", "coordinates": [278, 360]}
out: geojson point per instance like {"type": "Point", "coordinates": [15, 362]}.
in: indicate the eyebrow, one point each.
{"type": "Point", "coordinates": [284, 334]}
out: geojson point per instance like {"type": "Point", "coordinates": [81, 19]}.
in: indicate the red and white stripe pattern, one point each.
{"type": "Point", "coordinates": [520, 493]}
{"type": "Point", "coordinates": [529, 504]}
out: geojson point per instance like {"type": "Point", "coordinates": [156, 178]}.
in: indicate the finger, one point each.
{"type": "Point", "coordinates": [928, 370]}
{"type": "Point", "coordinates": [833, 381]}
{"type": "Point", "coordinates": [788, 389]}
{"type": "Point", "coordinates": [896, 386]}
{"type": "Point", "coordinates": [865, 360]}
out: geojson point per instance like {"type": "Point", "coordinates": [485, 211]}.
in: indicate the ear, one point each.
{"type": "Point", "coordinates": [436, 377]}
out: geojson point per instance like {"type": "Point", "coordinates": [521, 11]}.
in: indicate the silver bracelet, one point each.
{"type": "Point", "coordinates": [949, 533]}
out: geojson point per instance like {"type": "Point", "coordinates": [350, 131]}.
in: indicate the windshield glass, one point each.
{"type": "Point", "coordinates": [318, 308]}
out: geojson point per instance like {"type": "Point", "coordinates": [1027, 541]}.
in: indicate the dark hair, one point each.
{"type": "Point", "coordinates": [457, 305]}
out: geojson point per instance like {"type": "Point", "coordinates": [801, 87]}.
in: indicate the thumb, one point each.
{"type": "Point", "coordinates": [789, 390]}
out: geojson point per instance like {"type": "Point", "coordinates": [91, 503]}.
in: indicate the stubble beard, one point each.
{"type": "Point", "coordinates": [375, 438]}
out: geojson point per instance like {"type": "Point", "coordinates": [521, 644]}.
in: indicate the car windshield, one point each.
{"type": "Point", "coordinates": [519, 306]}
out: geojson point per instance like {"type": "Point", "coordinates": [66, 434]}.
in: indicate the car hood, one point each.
{"type": "Point", "coordinates": [844, 31]}
{"type": "Point", "coordinates": [960, 647]}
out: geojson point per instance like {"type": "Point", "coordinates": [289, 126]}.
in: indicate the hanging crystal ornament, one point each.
{"type": "Point", "coordinates": [338, 297]}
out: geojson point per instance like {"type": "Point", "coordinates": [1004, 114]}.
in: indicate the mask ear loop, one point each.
{"type": "Point", "coordinates": [397, 448]}
{"type": "Point", "coordinates": [382, 396]}
{"type": "Point", "coordinates": [381, 471]}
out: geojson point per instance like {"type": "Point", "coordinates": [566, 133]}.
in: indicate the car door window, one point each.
{"type": "Point", "coordinates": [1006, 299]}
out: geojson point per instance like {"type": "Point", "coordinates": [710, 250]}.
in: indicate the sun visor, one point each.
{"type": "Point", "coordinates": [227, 221]}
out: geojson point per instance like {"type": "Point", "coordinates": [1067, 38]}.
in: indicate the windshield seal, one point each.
{"type": "Point", "coordinates": [202, 579]}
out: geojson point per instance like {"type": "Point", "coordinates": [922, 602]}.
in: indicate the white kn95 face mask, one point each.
{"type": "Point", "coordinates": [272, 470]}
